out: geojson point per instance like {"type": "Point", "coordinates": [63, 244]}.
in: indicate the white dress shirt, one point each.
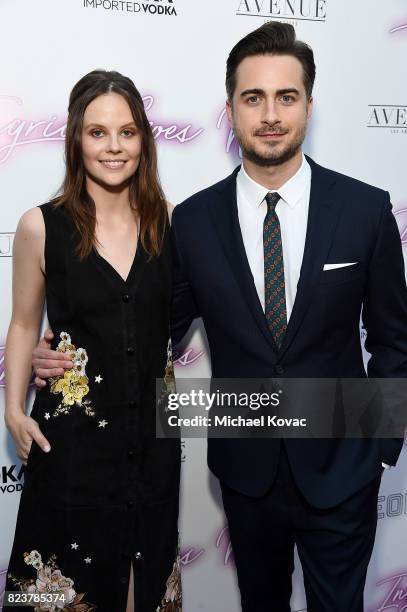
{"type": "Point", "coordinates": [292, 212]}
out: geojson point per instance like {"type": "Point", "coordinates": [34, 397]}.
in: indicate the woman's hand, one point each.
{"type": "Point", "coordinates": [24, 430]}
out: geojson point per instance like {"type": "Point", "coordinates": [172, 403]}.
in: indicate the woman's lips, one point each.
{"type": "Point", "coordinates": [112, 164]}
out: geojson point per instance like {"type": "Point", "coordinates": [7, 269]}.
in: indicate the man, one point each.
{"type": "Point", "coordinates": [266, 273]}
{"type": "Point", "coordinates": [281, 216]}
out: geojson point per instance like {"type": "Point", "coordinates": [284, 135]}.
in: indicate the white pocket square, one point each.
{"type": "Point", "coordinates": [338, 265]}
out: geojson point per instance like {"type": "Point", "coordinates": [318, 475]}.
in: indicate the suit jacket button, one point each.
{"type": "Point", "coordinates": [279, 369]}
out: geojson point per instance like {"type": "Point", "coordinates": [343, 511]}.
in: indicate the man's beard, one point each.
{"type": "Point", "coordinates": [272, 158]}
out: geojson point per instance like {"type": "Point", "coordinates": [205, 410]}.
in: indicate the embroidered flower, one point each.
{"type": "Point", "coordinates": [65, 340]}
{"type": "Point", "coordinates": [74, 383]}
{"type": "Point", "coordinates": [168, 380]}
{"type": "Point", "coordinates": [34, 559]}
{"type": "Point", "coordinates": [169, 376]}
{"type": "Point", "coordinates": [172, 600]}
{"type": "Point", "coordinates": [80, 368]}
{"type": "Point", "coordinates": [50, 580]}
{"type": "Point", "coordinates": [37, 565]}
{"type": "Point", "coordinates": [80, 360]}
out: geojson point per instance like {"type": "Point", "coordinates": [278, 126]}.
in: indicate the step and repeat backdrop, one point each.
{"type": "Point", "coordinates": [175, 51]}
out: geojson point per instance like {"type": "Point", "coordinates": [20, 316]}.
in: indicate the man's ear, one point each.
{"type": "Point", "coordinates": [310, 107]}
{"type": "Point", "coordinates": [229, 110]}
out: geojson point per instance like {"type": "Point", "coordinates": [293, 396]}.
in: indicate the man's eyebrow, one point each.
{"type": "Point", "coordinates": [260, 92]}
{"type": "Point", "coordinates": [288, 90]}
{"type": "Point", "coordinates": [255, 91]}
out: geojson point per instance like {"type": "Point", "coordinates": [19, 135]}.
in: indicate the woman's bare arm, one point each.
{"type": "Point", "coordinates": [28, 305]}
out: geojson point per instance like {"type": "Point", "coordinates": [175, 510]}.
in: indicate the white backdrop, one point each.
{"type": "Point", "coordinates": [175, 51]}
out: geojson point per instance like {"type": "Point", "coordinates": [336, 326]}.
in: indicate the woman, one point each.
{"type": "Point", "coordinates": [97, 523]}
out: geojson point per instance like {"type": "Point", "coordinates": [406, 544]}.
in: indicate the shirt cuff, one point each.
{"type": "Point", "coordinates": [386, 466]}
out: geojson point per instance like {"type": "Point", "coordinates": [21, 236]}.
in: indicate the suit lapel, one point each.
{"type": "Point", "coordinates": [323, 216]}
{"type": "Point", "coordinates": [223, 212]}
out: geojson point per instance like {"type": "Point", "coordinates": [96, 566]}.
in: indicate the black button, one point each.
{"type": "Point", "coordinates": [130, 350]}
{"type": "Point", "coordinates": [131, 454]}
{"type": "Point", "coordinates": [126, 297]}
{"type": "Point", "coordinates": [130, 504]}
{"type": "Point", "coordinates": [132, 405]}
{"type": "Point", "coordinates": [279, 369]}
{"type": "Point", "coordinates": [123, 580]}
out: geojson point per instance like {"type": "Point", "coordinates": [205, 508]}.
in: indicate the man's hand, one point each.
{"type": "Point", "coordinates": [47, 363]}
{"type": "Point", "coordinates": [24, 430]}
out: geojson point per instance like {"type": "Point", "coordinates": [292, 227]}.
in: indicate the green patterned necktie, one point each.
{"type": "Point", "coordinates": [274, 285]}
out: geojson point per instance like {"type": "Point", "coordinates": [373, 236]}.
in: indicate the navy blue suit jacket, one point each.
{"type": "Point", "coordinates": [348, 221]}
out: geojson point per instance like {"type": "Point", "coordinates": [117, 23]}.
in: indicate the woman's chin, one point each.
{"type": "Point", "coordinates": [109, 182]}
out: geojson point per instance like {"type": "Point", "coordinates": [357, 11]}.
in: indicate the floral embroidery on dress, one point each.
{"type": "Point", "coordinates": [167, 385]}
{"type": "Point", "coordinates": [50, 581]}
{"type": "Point", "coordinates": [74, 383]}
{"type": "Point", "coordinates": [169, 376]}
{"type": "Point", "coordinates": [172, 600]}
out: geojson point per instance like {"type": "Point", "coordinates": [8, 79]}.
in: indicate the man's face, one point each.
{"type": "Point", "coordinates": [270, 110]}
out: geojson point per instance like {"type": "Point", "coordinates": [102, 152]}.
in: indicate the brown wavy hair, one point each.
{"type": "Point", "coordinates": [146, 195]}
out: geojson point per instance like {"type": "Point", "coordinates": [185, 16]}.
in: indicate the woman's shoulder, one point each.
{"type": "Point", "coordinates": [30, 238]}
{"type": "Point", "coordinates": [43, 221]}
{"type": "Point", "coordinates": [31, 223]}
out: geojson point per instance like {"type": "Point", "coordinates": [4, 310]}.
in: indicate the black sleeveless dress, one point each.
{"type": "Point", "coordinates": [106, 495]}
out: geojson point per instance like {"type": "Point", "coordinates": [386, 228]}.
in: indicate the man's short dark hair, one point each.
{"type": "Point", "coordinates": [272, 38]}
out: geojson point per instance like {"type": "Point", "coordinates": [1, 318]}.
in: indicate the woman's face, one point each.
{"type": "Point", "coordinates": [111, 142]}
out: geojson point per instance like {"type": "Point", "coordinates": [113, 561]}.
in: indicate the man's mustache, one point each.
{"type": "Point", "coordinates": [266, 130]}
